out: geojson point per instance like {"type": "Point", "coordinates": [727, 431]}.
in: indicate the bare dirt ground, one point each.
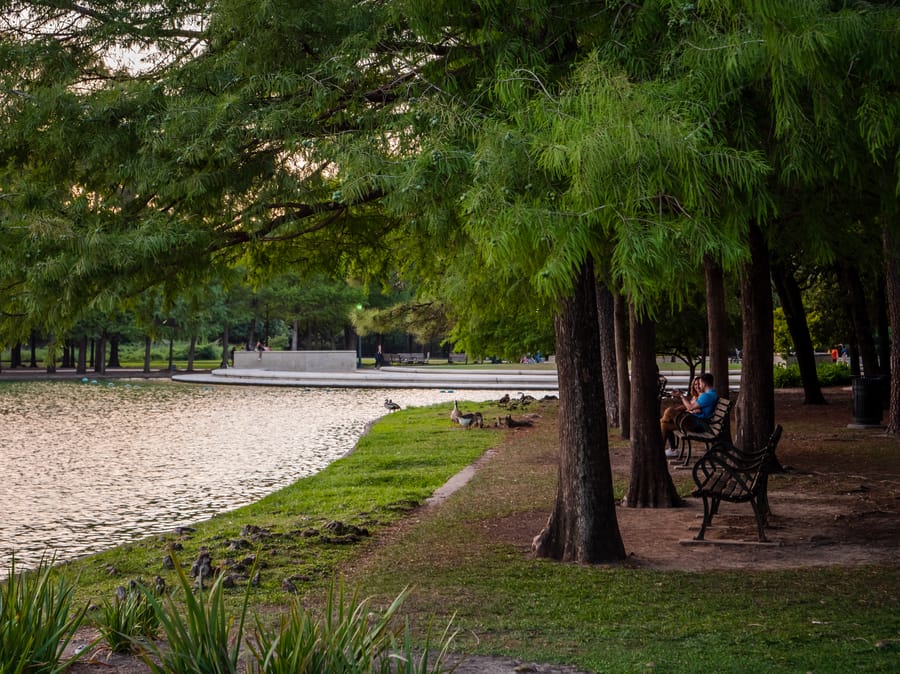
{"type": "Point", "coordinates": [836, 504]}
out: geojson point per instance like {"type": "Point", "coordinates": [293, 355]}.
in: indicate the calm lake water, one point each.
{"type": "Point", "coordinates": [89, 466]}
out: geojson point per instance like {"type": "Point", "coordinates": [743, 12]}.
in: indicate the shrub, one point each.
{"type": "Point", "coordinates": [200, 637]}
{"type": "Point", "coordinates": [828, 374]}
{"type": "Point", "coordinates": [787, 376]}
{"type": "Point", "coordinates": [36, 620]}
{"type": "Point", "coordinates": [833, 374]}
{"type": "Point", "coordinates": [130, 616]}
{"type": "Point", "coordinates": [350, 637]}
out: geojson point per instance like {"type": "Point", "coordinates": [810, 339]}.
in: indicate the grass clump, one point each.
{"type": "Point", "coordinates": [349, 637]}
{"type": "Point", "coordinates": [128, 617]}
{"type": "Point", "coordinates": [201, 635]}
{"type": "Point", "coordinates": [37, 620]}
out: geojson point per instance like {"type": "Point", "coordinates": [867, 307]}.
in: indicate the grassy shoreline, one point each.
{"type": "Point", "coordinates": [302, 534]}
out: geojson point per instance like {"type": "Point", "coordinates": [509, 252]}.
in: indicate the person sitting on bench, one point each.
{"type": "Point", "coordinates": [701, 407]}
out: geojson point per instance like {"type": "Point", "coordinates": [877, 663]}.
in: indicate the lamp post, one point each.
{"type": "Point", "coordinates": [358, 341]}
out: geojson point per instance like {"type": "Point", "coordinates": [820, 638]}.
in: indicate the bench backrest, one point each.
{"type": "Point", "coordinates": [719, 421]}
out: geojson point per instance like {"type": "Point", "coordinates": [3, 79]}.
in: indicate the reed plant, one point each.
{"type": "Point", "coordinates": [37, 620]}
{"type": "Point", "coordinates": [350, 637]}
{"type": "Point", "coordinates": [201, 636]}
{"type": "Point", "coordinates": [128, 618]}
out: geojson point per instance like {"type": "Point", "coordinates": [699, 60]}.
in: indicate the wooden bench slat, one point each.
{"type": "Point", "coordinates": [725, 473]}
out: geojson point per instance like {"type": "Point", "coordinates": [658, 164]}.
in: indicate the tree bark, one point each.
{"type": "Point", "coordinates": [859, 317]}
{"type": "Point", "coordinates": [717, 325]}
{"type": "Point", "coordinates": [113, 352]}
{"type": "Point", "coordinates": [192, 347]}
{"type": "Point", "coordinates": [757, 399]}
{"type": "Point", "coordinates": [100, 355]}
{"type": "Point", "coordinates": [226, 351]}
{"type": "Point", "coordinates": [792, 303]}
{"type": "Point", "coordinates": [606, 320]}
{"type": "Point", "coordinates": [148, 346]}
{"type": "Point", "coordinates": [582, 526]}
{"type": "Point", "coordinates": [81, 366]}
{"type": "Point", "coordinates": [891, 241]}
{"type": "Point", "coordinates": [620, 318]}
{"type": "Point", "coordinates": [651, 484]}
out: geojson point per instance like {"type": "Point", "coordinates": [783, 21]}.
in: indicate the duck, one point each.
{"type": "Point", "coordinates": [514, 423]}
{"type": "Point", "coordinates": [390, 405]}
{"type": "Point", "coordinates": [454, 413]}
{"type": "Point", "coordinates": [471, 419]}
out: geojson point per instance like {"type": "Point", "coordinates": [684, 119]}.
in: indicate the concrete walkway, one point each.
{"type": "Point", "coordinates": [386, 377]}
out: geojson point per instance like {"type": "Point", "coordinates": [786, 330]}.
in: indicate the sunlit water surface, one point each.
{"type": "Point", "coordinates": [89, 466]}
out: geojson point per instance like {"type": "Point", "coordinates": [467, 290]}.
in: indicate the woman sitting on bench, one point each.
{"type": "Point", "coordinates": [701, 406]}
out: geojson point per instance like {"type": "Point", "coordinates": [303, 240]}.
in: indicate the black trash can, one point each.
{"type": "Point", "coordinates": [867, 407]}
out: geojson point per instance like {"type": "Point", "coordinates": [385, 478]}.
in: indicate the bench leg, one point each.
{"type": "Point", "coordinates": [760, 520]}
{"type": "Point", "coordinates": [709, 508]}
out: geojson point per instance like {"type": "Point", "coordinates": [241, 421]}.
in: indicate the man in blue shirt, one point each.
{"type": "Point", "coordinates": [701, 409]}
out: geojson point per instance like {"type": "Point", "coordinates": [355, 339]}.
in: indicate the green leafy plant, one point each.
{"type": "Point", "coordinates": [828, 374]}
{"type": "Point", "coordinates": [36, 620]}
{"type": "Point", "coordinates": [349, 638]}
{"type": "Point", "coordinates": [833, 374]}
{"type": "Point", "coordinates": [787, 376]}
{"type": "Point", "coordinates": [129, 616]}
{"type": "Point", "coordinates": [200, 635]}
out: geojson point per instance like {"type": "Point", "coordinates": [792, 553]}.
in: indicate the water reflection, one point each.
{"type": "Point", "coordinates": [90, 466]}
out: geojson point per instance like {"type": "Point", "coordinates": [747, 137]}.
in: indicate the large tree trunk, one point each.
{"type": "Point", "coordinates": [717, 325]}
{"type": "Point", "coordinates": [192, 347]}
{"type": "Point", "coordinates": [883, 347]}
{"type": "Point", "coordinates": [795, 315]}
{"type": "Point", "coordinates": [620, 318]}
{"type": "Point", "coordinates": [607, 322]}
{"type": "Point", "coordinates": [100, 355]}
{"type": "Point", "coordinates": [859, 317]}
{"type": "Point", "coordinates": [226, 351]}
{"type": "Point", "coordinates": [81, 366]}
{"type": "Point", "coordinates": [892, 292]}
{"type": "Point", "coordinates": [148, 347]}
{"type": "Point", "coordinates": [651, 484]}
{"type": "Point", "coordinates": [757, 399]}
{"type": "Point", "coordinates": [583, 525]}
{"type": "Point", "coordinates": [113, 352]}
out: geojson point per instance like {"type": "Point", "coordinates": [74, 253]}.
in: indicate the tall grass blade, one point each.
{"type": "Point", "coordinates": [36, 620]}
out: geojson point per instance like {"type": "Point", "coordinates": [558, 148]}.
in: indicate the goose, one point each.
{"type": "Point", "coordinates": [390, 405]}
{"type": "Point", "coordinates": [513, 423]}
{"type": "Point", "coordinates": [454, 413]}
{"type": "Point", "coordinates": [471, 419]}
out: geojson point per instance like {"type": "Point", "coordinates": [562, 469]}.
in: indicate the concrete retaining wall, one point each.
{"type": "Point", "coordinates": [296, 361]}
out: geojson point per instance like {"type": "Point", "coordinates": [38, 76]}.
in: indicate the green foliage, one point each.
{"type": "Point", "coordinates": [36, 620]}
{"type": "Point", "coordinates": [829, 374]}
{"type": "Point", "coordinates": [201, 636]}
{"type": "Point", "coordinates": [787, 376]}
{"type": "Point", "coordinates": [833, 374]}
{"type": "Point", "coordinates": [350, 637]}
{"type": "Point", "coordinates": [128, 617]}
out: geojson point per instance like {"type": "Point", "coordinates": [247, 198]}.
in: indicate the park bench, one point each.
{"type": "Point", "coordinates": [716, 429]}
{"type": "Point", "coordinates": [726, 473]}
{"type": "Point", "coordinates": [457, 358]}
{"type": "Point", "coordinates": [406, 358]}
